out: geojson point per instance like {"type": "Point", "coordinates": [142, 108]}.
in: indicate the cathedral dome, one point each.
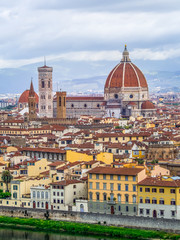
{"type": "Point", "coordinates": [147, 105]}
{"type": "Point", "coordinates": [24, 97]}
{"type": "Point", "coordinates": [126, 74]}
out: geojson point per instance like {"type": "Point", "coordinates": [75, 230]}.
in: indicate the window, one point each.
{"type": "Point", "coordinates": [104, 196]}
{"type": "Point", "coordinates": [134, 198]}
{"type": "Point", "coordinates": [111, 196]}
{"type": "Point", "coordinates": [119, 177]}
{"type": "Point", "coordinates": [119, 187]}
{"type": "Point", "coordinates": [111, 186]}
{"type": "Point", "coordinates": [134, 188]}
{"type": "Point", "coordinates": [134, 178]}
{"type": "Point", "coordinates": [154, 201]}
{"type": "Point", "coordinates": [15, 187]}
{"type": "Point", "coordinates": [97, 176]}
{"type": "Point", "coordinates": [90, 196]}
{"type": "Point", "coordinates": [14, 195]}
{"type": "Point", "coordinates": [172, 191]}
{"type": "Point", "coordinates": [97, 196]}
{"type": "Point", "coordinates": [74, 193]}
{"type": "Point", "coordinates": [161, 213]}
{"type": "Point", "coordinates": [54, 193]}
{"type": "Point", "coordinates": [127, 209]}
{"type": "Point", "coordinates": [74, 186]}
{"type": "Point", "coordinates": [37, 204]}
{"type": "Point", "coordinates": [161, 190]}
{"type": "Point", "coordinates": [173, 213]}
{"type": "Point", "coordinates": [147, 200]}
{"type": "Point", "coordinates": [141, 200]}
{"type": "Point", "coordinates": [141, 210]}
{"type": "Point", "coordinates": [147, 211]}
{"type": "Point", "coordinates": [34, 194]}
{"type": "Point", "coordinates": [104, 186]}
{"type": "Point", "coordinates": [119, 208]}
{"type": "Point", "coordinates": [147, 189]}
{"type": "Point", "coordinates": [161, 201]}
{"type": "Point", "coordinates": [42, 205]}
{"type": "Point", "coordinates": [111, 177]}
{"type": "Point", "coordinates": [90, 185]}
{"type": "Point", "coordinates": [104, 176]}
{"type": "Point", "coordinates": [46, 194]}
{"type": "Point", "coordinates": [49, 84]}
{"type": "Point", "coordinates": [154, 190]}
{"type": "Point", "coordinates": [61, 201]}
{"type": "Point", "coordinates": [42, 195]}
{"type": "Point", "coordinates": [127, 198]}
{"type": "Point", "coordinates": [85, 105]}
{"type": "Point", "coordinates": [62, 194]}
{"type": "Point", "coordinates": [90, 176]}
{"type": "Point", "coordinates": [126, 178]}
{"type": "Point", "coordinates": [42, 84]}
{"type": "Point", "coordinates": [126, 187]}
{"type": "Point", "coordinates": [97, 185]}
{"type": "Point", "coordinates": [173, 202]}
{"type": "Point", "coordinates": [119, 198]}
{"type": "Point", "coordinates": [140, 189]}
{"type": "Point", "coordinates": [38, 194]}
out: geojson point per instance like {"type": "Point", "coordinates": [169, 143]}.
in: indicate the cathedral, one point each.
{"type": "Point", "coordinates": [125, 94]}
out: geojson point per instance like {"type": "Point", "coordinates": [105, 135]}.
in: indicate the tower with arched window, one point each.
{"type": "Point", "coordinates": [45, 91]}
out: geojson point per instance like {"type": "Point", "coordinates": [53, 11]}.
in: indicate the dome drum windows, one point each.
{"type": "Point", "coordinates": [116, 96]}
{"type": "Point", "coordinates": [131, 96]}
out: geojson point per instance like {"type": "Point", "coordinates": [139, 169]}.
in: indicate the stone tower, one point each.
{"type": "Point", "coordinates": [32, 103]}
{"type": "Point", "coordinates": [45, 91]}
{"type": "Point", "coordinates": [61, 104]}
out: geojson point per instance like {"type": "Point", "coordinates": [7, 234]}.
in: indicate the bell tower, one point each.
{"type": "Point", "coordinates": [45, 91]}
{"type": "Point", "coordinates": [32, 103]}
{"type": "Point", "coordinates": [61, 104]}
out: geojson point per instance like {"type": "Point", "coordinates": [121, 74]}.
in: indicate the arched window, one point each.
{"type": "Point", "coordinates": [38, 194]}
{"type": "Point", "coordinates": [42, 83]}
{"type": "Point", "coordinates": [173, 202]}
{"type": "Point", "coordinates": [134, 198]}
{"type": "Point", "coordinates": [34, 194]}
{"type": "Point", "coordinates": [90, 196]}
{"type": "Point", "coordinates": [72, 105]}
{"type": "Point", "coordinates": [105, 196]}
{"type": "Point", "coordinates": [147, 200]}
{"type": "Point", "coordinates": [42, 205]}
{"type": "Point", "coordinates": [97, 196]}
{"type": "Point", "coordinates": [42, 195]}
{"type": "Point", "coordinates": [161, 201]}
{"type": "Point", "coordinates": [37, 204]}
{"type": "Point", "coordinates": [14, 195]}
{"type": "Point", "coordinates": [119, 197]}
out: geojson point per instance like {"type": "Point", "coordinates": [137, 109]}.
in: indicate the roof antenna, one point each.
{"type": "Point", "coordinates": [44, 61]}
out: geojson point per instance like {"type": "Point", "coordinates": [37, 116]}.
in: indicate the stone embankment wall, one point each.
{"type": "Point", "coordinates": [169, 225]}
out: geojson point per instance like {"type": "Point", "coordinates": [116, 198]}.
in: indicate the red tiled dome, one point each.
{"type": "Point", "coordinates": [126, 74]}
{"type": "Point", "coordinates": [24, 97]}
{"type": "Point", "coordinates": [147, 105]}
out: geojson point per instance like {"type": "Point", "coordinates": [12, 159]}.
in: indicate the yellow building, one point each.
{"type": "Point", "coordinates": [36, 167]}
{"type": "Point", "coordinates": [159, 197]}
{"type": "Point", "coordinates": [114, 190]}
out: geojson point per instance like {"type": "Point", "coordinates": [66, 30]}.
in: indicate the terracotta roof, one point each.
{"type": "Point", "coordinates": [66, 182]}
{"type": "Point", "coordinates": [48, 150]}
{"type": "Point", "coordinates": [118, 171]}
{"type": "Point", "coordinates": [158, 181]}
{"type": "Point", "coordinates": [132, 76]}
{"type": "Point", "coordinates": [90, 98]}
{"type": "Point", "coordinates": [147, 105]}
{"type": "Point", "coordinates": [24, 97]}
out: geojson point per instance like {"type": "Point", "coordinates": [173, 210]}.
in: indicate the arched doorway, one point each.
{"type": "Point", "coordinates": [154, 214]}
{"type": "Point", "coordinates": [81, 208]}
{"type": "Point", "coordinates": [112, 209]}
{"type": "Point", "coordinates": [34, 204]}
{"type": "Point", "coordinates": [47, 205]}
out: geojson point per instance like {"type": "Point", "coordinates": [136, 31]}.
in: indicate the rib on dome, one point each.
{"type": "Point", "coordinates": [126, 74]}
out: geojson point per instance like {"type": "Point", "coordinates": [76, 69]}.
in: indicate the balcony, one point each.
{"type": "Point", "coordinates": [111, 202]}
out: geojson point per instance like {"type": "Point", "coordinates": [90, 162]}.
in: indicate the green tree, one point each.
{"type": "Point", "coordinates": [6, 177]}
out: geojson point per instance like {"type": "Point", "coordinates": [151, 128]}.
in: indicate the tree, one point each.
{"type": "Point", "coordinates": [6, 177]}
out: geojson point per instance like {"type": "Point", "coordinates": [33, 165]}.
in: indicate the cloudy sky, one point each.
{"type": "Point", "coordinates": [85, 38]}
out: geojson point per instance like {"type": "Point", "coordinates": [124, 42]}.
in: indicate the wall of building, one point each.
{"type": "Point", "coordinates": [170, 225]}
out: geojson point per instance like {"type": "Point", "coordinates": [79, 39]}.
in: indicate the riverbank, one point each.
{"type": "Point", "coordinates": [83, 229]}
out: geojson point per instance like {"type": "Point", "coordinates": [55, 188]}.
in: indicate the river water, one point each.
{"type": "Point", "coordinates": [8, 234]}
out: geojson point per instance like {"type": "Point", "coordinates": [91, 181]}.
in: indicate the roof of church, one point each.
{"type": "Point", "coordinates": [125, 74]}
{"type": "Point", "coordinates": [24, 97]}
{"type": "Point", "coordinates": [147, 105]}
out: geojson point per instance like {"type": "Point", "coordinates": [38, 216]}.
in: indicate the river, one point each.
{"type": "Point", "coordinates": [8, 234]}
